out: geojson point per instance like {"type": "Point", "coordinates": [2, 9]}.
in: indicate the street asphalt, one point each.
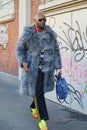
{"type": "Point", "coordinates": [15, 113]}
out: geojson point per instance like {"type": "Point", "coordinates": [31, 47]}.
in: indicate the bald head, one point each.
{"type": "Point", "coordinates": [39, 15]}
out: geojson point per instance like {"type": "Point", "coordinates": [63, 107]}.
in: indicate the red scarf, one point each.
{"type": "Point", "coordinates": [37, 29]}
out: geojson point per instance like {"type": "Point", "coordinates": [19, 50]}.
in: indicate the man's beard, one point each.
{"type": "Point", "coordinates": [41, 27]}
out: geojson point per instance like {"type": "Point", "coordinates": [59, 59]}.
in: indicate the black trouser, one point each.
{"type": "Point", "coordinates": [40, 98]}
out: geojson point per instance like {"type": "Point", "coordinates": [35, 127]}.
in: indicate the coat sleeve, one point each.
{"type": "Point", "coordinates": [57, 57]}
{"type": "Point", "coordinates": [21, 49]}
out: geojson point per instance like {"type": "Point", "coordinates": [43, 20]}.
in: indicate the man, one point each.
{"type": "Point", "coordinates": [38, 54]}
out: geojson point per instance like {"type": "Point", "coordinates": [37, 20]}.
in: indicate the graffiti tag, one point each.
{"type": "Point", "coordinates": [3, 36]}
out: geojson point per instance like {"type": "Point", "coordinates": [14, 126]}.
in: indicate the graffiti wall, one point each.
{"type": "Point", "coordinates": [71, 30]}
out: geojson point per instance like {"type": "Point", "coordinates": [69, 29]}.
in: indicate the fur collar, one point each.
{"type": "Point", "coordinates": [29, 30]}
{"type": "Point", "coordinates": [50, 31]}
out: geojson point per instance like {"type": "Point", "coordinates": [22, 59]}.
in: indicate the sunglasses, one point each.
{"type": "Point", "coordinates": [43, 19]}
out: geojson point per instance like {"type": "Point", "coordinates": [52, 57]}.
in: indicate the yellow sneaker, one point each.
{"type": "Point", "coordinates": [34, 113]}
{"type": "Point", "coordinates": [43, 125]}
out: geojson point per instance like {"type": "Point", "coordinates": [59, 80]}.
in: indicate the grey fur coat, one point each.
{"type": "Point", "coordinates": [28, 50]}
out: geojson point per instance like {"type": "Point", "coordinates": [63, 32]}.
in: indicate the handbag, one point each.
{"type": "Point", "coordinates": [62, 89]}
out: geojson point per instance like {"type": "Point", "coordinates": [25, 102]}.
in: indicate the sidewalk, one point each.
{"type": "Point", "coordinates": [15, 113]}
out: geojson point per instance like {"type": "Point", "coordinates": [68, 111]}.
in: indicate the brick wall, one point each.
{"type": "Point", "coordinates": [8, 62]}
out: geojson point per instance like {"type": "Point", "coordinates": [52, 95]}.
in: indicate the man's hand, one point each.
{"type": "Point", "coordinates": [59, 72]}
{"type": "Point", "coordinates": [25, 67]}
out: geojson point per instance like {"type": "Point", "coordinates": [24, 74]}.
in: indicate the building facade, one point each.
{"type": "Point", "coordinates": [69, 19]}
{"type": "Point", "coordinates": [9, 24]}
